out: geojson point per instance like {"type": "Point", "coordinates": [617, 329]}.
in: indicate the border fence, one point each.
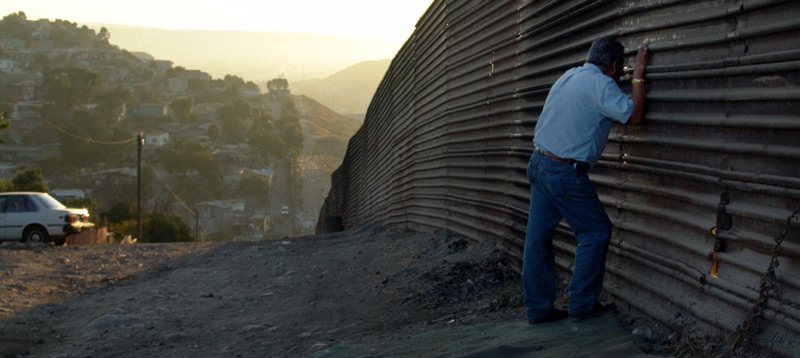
{"type": "Point", "coordinates": [702, 196]}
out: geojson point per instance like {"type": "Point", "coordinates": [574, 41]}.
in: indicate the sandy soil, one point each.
{"type": "Point", "coordinates": [369, 292]}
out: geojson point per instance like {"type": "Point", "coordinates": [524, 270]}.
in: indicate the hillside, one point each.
{"type": "Point", "coordinates": [347, 91]}
{"type": "Point", "coordinates": [257, 56]}
{"type": "Point", "coordinates": [326, 136]}
{"type": "Point", "coordinates": [205, 134]}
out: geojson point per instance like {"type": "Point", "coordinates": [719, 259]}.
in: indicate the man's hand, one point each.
{"type": "Point", "coordinates": [641, 61]}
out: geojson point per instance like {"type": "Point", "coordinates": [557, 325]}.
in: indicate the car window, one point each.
{"type": "Point", "coordinates": [29, 204]}
{"type": "Point", "coordinates": [48, 201]}
{"type": "Point", "coordinates": [3, 203]}
{"type": "Point", "coordinates": [18, 204]}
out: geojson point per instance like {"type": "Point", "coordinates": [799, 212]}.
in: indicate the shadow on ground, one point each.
{"type": "Point", "coordinates": [600, 337]}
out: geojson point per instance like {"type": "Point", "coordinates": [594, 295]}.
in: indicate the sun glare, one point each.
{"type": "Point", "coordinates": [365, 18]}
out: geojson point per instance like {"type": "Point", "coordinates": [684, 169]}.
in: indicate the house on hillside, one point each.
{"type": "Point", "coordinates": [157, 139]}
{"type": "Point", "coordinates": [207, 111]}
{"type": "Point", "coordinates": [25, 119]}
{"type": "Point", "coordinates": [10, 66]}
{"type": "Point", "coordinates": [41, 29]}
{"type": "Point", "coordinates": [119, 175]}
{"type": "Point", "coordinates": [12, 44]}
{"type": "Point", "coordinates": [67, 194]}
{"type": "Point", "coordinates": [208, 107]}
{"type": "Point", "coordinates": [143, 56]}
{"type": "Point", "coordinates": [215, 215]}
{"type": "Point", "coordinates": [29, 153]}
{"type": "Point", "coordinates": [113, 76]}
{"type": "Point", "coordinates": [187, 75]}
{"type": "Point", "coordinates": [9, 170]}
{"type": "Point", "coordinates": [21, 56]}
{"type": "Point", "coordinates": [163, 65]}
{"type": "Point", "coordinates": [149, 110]}
{"type": "Point", "coordinates": [177, 85]}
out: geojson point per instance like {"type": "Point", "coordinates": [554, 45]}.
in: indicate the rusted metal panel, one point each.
{"type": "Point", "coordinates": [448, 135]}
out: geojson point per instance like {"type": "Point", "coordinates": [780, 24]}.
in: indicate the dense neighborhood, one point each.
{"type": "Point", "coordinates": [212, 147]}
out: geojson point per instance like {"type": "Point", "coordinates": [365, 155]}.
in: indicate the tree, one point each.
{"type": "Point", "coordinates": [264, 141]}
{"type": "Point", "coordinates": [291, 132]}
{"type": "Point", "coordinates": [213, 132]}
{"type": "Point", "coordinates": [182, 108]}
{"type": "Point", "coordinates": [254, 188]}
{"type": "Point", "coordinates": [16, 25]}
{"type": "Point", "coordinates": [158, 228]}
{"type": "Point", "coordinates": [3, 124]}
{"type": "Point", "coordinates": [251, 86]}
{"type": "Point", "coordinates": [119, 212]}
{"type": "Point", "coordinates": [278, 86]}
{"type": "Point", "coordinates": [30, 180]}
{"type": "Point", "coordinates": [181, 156]}
{"type": "Point", "coordinates": [232, 129]}
{"type": "Point", "coordinates": [232, 116]}
{"type": "Point", "coordinates": [110, 103]}
{"type": "Point", "coordinates": [6, 185]}
{"type": "Point", "coordinates": [104, 35]}
{"type": "Point", "coordinates": [195, 85]}
{"type": "Point", "coordinates": [69, 88]}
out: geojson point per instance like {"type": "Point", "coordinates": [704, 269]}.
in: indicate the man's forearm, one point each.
{"type": "Point", "coordinates": [638, 85]}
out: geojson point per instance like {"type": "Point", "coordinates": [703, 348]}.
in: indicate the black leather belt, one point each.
{"type": "Point", "coordinates": [580, 167]}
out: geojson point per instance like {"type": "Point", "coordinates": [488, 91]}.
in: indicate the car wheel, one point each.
{"type": "Point", "coordinates": [34, 235]}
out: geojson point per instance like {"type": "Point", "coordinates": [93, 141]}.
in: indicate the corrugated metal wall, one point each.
{"type": "Point", "coordinates": [448, 135]}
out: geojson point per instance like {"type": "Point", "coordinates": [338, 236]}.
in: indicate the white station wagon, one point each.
{"type": "Point", "coordinates": [37, 217]}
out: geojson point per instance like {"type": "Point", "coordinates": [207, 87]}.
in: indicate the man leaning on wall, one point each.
{"type": "Point", "coordinates": [570, 136]}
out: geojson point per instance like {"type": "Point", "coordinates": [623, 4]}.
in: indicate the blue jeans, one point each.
{"type": "Point", "coordinates": [558, 191]}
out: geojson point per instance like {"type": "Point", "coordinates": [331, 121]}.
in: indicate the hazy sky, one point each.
{"type": "Point", "coordinates": [391, 19]}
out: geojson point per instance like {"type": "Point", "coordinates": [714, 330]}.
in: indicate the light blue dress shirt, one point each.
{"type": "Point", "coordinates": [577, 114]}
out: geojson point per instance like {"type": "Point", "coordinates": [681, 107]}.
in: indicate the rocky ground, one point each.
{"type": "Point", "coordinates": [355, 293]}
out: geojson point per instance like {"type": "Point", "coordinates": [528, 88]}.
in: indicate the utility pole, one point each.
{"type": "Point", "coordinates": [140, 142]}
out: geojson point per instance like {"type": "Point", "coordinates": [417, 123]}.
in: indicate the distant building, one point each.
{"type": "Point", "coordinates": [194, 74]}
{"type": "Point", "coordinates": [27, 153]}
{"type": "Point", "coordinates": [143, 56]}
{"type": "Point", "coordinates": [149, 110]}
{"type": "Point", "coordinates": [177, 85]}
{"type": "Point", "coordinates": [215, 215]}
{"type": "Point", "coordinates": [9, 170]}
{"type": "Point", "coordinates": [163, 65]}
{"type": "Point", "coordinates": [67, 194]}
{"type": "Point", "coordinates": [12, 44]}
{"type": "Point", "coordinates": [157, 139]}
{"type": "Point", "coordinates": [10, 66]}
{"type": "Point", "coordinates": [25, 119]}
{"type": "Point", "coordinates": [208, 107]}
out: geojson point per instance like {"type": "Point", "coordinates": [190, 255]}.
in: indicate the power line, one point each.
{"type": "Point", "coordinates": [170, 189]}
{"type": "Point", "coordinates": [193, 213]}
{"type": "Point", "coordinates": [86, 139]}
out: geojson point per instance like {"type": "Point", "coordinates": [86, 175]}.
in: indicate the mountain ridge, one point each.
{"type": "Point", "coordinates": [348, 91]}
{"type": "Point", "coordinates": [256, 55]}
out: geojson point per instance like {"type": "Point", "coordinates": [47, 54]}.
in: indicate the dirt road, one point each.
{"type": "Point", "coordinates": [357, 293]}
